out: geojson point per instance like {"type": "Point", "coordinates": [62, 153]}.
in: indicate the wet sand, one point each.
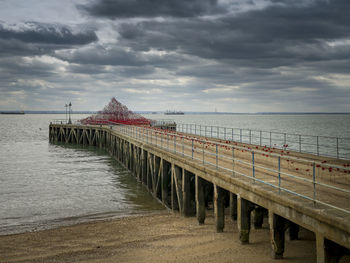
{"type": "Point", "coordinates": [164, 237]}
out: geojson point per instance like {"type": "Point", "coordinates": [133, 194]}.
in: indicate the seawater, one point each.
{"type": "Point", "coordinates": [44, 185]}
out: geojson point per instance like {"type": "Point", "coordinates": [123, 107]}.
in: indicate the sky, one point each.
{"type": "Point", "coordinates": [190, 55]}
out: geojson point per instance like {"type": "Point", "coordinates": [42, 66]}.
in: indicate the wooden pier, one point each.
{"type": "Point", "coordinates": [186, 173]}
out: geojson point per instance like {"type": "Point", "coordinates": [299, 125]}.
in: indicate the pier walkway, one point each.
{"type": "Point", "coordinates": [188, 172]}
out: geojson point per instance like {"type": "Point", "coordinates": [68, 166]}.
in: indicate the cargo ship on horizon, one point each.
{"type": "Point", "coordinates": [13, 112]}
{"type": "Point", "coordinates": [174, 112]}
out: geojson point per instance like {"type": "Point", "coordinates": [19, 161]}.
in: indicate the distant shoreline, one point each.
{"type": "Point", "coordinates": [190, 113]}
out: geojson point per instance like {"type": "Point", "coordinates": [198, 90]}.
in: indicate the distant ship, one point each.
{"type": "Point", "coordinates": [12, 112]}
{"type": "Point", "coordinates": [174, 112]}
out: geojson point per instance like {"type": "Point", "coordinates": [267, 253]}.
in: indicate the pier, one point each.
{"type": "Point", "coordinates": [189, 172]}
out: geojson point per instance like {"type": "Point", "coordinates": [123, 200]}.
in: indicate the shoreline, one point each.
{"type": "Point", "coordinates": [71, 221]}
{"type": "Point", "coordinates": [161, 237]}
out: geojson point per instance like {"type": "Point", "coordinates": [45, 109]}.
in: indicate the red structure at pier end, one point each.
{"type": "Point", "coordinates": [116, 113]}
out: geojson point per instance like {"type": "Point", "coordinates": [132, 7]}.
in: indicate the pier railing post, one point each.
{"type": "Point", "coordinates": [240, 135]}
{"type": "Point", "coordinates": [203, 153]}
{"type": "Point", "coordinates": [279, 174]}
{"type": "Point", "coordinates": [192, 149]}
{"type": "Point", "coordinates": [314, 181]}
{"type": "Point", "coordinates": [253, 164]}
{"type": "Point", "coordinates": [216, 155]}
{"type": "Point", "coordinates": [183, 146]}
{"type": "Point", "coordinates": [175, 143]}
{"type": "Point", "coordinates": [317, 146]}
{"type": "Point", "coordinates": [233, 161]}
{"type": "Point", "coordinates": [299, 143]}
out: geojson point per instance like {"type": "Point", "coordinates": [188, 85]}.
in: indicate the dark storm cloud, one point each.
{"type": "Point", "coordinates": [274, 36]}
{"type": "Point", "coordinates": [150, 8]}
{"type": "Point", "coordinates": [33, 38]}
{"type": "Point", "coordinates": [48, 34]}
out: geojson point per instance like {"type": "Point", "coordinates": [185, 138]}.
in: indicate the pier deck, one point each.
{"type": "Point", "coordinates": [187, 172]}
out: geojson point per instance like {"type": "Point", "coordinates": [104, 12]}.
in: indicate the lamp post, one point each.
{"type": "Point", "coordinates": [66, 106]}
{"type": "Point", "coordinates": [70, 105]}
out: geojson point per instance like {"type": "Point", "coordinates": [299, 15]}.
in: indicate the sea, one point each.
{"type": "Point", "coordinates": [44, 185]}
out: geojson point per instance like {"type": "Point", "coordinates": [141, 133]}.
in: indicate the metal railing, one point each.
{"type": "Point", "coordinates": [335, 147]}
{"type": "Point", "coordinates": [64, 121]}
{"type": "Point", "coordinates": [311, 180]}
{"type": "Point", "coordinates": [162, 122]}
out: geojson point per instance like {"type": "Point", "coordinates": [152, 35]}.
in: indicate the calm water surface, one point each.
{"type": "Point", "coordinates": [44, 185]}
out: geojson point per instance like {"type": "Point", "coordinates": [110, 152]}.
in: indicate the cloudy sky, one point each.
{"type": "Point", "coordinates": [190, 55]}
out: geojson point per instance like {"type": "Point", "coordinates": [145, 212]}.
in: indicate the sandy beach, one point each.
{"type": "Point", "coordinates": [164, 237]}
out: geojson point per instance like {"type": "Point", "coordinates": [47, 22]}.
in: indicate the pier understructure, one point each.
{"type": "Point", "coordinates": [188, 172]}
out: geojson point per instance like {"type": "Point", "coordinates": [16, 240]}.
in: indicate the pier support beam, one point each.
{"type": "Point", "coordinates": [219, 208]}
{"type": "Point", "coordinates": [176, 188]}
{"type": "Point", "coordinates": [158, 170]}
{"type": "Point", "coordinates": [233, 206]}
{"type": "Point", "coordinates": [293, 231]}
{"type": "Point", "coordinates": [200, 199]}
{"type": "Point", "coordinates": [244, 208]}
{"type": "Point", "coordinates": [165, 182]}
{"type": "Point", "coordinates": [320, 249]}
{"type": "Point", "coordinates": [144, 166]}
{"type": "Point", "coordinates": [277, 235]}
{"type": "Point", "coordinates": [188, 193]}
{"type": "Point", "coordinates": [258, 217]}
{"type": "Point", "coordinates": [329, 252]}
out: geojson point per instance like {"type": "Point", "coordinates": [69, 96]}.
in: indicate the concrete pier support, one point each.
{"type": "Point", "coordinates": [320, 249]}
{"type": "Point", "coordinates": [176, 188]}
{"type": "Point", "coordinates": [165, 183]}
{"type": "Point", "coordinates": [258, 217]}
{"type": "Point", "coordinates": [144, 166]}
{"type": "Point", "coordinates": [244, 208]}
{"type": "Point", "coordinates": [329, 252]}
{"type": "Point", "coordinates": [149, 171]}
{"type": "Point", "coordinates": [188, 194]}
{"type": "Point", "coordinates": [277, 235]}
{"type": "Point", "coordinates": [200, 199]}
{"type": "Point", "coordinates": [157, 169]}
{"type": "Point", "coordinates": [293, 231]}
{"type": "Point", "coordinates": [233, 206]}
{"type": "Point", "coordinates": [219, 208]}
